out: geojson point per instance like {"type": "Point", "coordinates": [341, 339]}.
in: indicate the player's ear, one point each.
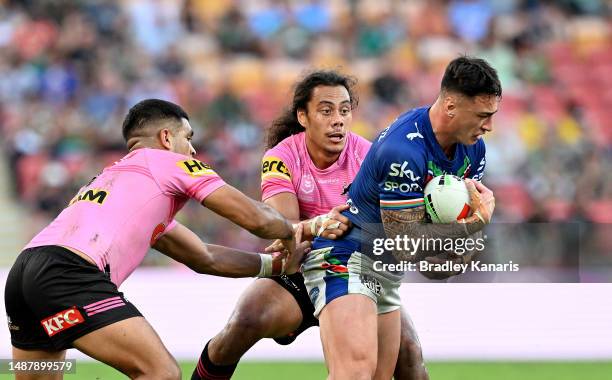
{"type": "Point", "coordinates": [301, 116]}
{"type": "Point", "coordinates": [450, 104]}
{"type": "Point", "coordinates": [165, 138]}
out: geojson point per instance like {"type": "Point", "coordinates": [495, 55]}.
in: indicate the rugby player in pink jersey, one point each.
{"type": "Point", "coordinates": [62, 290]}
{"type": "Point", "coordinates": [312, 157]}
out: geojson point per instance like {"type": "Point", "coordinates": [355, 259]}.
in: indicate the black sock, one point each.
{"type": "Point", "coordinates": [207, 370]}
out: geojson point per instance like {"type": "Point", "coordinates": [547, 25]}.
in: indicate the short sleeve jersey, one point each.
{"type": "Point", "coordinates": [127, 207]}
{"type": "Point", "coordinates": [402, 160]}
{"type": "Point", "coordinates": [287, 167]}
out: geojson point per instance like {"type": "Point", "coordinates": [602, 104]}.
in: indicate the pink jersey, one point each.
{"type": "Point", "coordinates": [126, 208]}
{"type": "Point", "coordinates": [288, 168]}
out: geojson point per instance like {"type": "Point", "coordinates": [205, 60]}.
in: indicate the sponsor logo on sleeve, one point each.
{"type": "Point", "coordinates": [403, 179]}
{"type": "Point", "coordinates": [61, 321]}
{"type": "Point", "coordinates": [195, 168]}
{"type": "Point", "coordinates": [402, 171]}
{"type": "Point", "coordinates": [90, 195]}
{"type": "Point", "coordinates": [274, 167]}
{"type": "Point", "coordinates": [403, 187]}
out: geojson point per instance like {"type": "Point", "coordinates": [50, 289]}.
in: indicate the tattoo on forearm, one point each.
{"type": "Point", "coordinates": [411, 223]}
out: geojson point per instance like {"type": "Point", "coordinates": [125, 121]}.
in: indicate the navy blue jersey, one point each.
{"type": "Point", "coordinates": [401, 161]}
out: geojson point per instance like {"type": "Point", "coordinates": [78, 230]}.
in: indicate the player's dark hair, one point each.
{"type": "Point", "coordinates": [150, 110]}
{"type": "Point", "coordinates": [471, 77]}
{"type": "Point", "coordinates": [287, 123]}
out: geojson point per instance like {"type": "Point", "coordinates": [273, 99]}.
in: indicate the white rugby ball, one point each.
{"type": "Point", "coordinates": [447, 199]}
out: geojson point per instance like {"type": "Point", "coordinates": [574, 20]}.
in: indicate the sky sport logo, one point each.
{"type": "Point", "coordinates": [61, 321]}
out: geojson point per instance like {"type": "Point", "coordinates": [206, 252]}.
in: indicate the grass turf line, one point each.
{"type": "Point", "coordinates": [437, 370]}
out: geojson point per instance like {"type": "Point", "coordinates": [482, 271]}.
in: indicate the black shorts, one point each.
{"type": "Point", "coordinates": [294, 283]}
{"type": "Point", "coordinates": [54, 296]}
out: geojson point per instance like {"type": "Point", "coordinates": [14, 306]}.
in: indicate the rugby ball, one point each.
{"type": "Point", "coordinates": [447, 199]}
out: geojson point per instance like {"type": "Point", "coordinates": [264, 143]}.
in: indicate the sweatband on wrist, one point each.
{"type": "Point", "coordinates": [265, 269]}
{"type": "Point", "coordinates": [270, 267]}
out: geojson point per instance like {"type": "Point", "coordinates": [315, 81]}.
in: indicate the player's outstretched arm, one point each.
{"type": "Point", "coordinates": [184, 246]}
{"type": "Point", "coordinates": [287, 204]}
{"type": "Point", "coordinates": [331, 225]}
{"type": "Point", "coordinates": [256, 217]}
{"type": "Point", "coordinates": [412, 223]}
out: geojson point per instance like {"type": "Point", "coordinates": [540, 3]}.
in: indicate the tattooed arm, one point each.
{"type": "Point", "coordinates": [411, 223]}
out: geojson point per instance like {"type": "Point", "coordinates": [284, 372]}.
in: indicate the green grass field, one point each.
{"type": "Point", "coordinates": [437, 371]}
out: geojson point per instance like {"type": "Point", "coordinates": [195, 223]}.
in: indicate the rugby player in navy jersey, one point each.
{"type": "Point", "coordinates": [358, 306]}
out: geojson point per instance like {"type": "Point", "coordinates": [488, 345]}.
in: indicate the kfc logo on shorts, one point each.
{"type": "Point", "coordinates": [62, 321]}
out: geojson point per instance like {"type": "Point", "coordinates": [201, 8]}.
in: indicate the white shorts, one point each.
{"type": "Point", "coordinates": [333, 272]}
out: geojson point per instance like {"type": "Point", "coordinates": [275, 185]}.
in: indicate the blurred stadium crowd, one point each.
{"type": "Point", "coordinates": [70, 70]}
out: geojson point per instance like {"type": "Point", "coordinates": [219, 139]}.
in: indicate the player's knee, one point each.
{"type": "Point", "coordinates": [354, 363]}
{"type": "Point", "coordinates": [169, 372]}
{"type": "Point", "coordinates": [248, 324]}
{"type": "Point", "coordinates": [356, 369]}
{"type": "Point", "coordinates": [167, 369]}
{"type": "Point", "coordinates": [410, 352]}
